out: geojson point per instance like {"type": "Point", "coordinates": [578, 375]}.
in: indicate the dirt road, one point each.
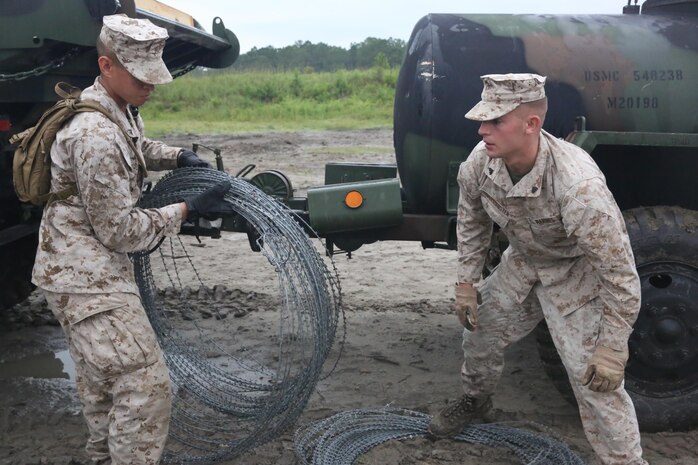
{"type": "Point", "coordinates": [402, 347]}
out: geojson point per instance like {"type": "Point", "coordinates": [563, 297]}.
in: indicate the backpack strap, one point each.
{"type": "Point", "coordinates": [60, 195]}
{"type": "Point", "coordinates": [65, 91]}
{"type": "Point", "coordinates": [71, 95]}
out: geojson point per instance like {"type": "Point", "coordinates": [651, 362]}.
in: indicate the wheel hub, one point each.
{"type": "Point", "coordinates": [273, 183]}
{"type": "Point", "coordinates": [669, 331]}
{"type": "Point", "coordinates": [664, 344]}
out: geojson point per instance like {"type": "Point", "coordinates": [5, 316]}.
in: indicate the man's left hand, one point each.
{"type": "Point", "coordinates": [606, 369]}
{"type": "Point", "coordinates": [467, 301]}
{"type": "Point", "coordinates": [190, 159]}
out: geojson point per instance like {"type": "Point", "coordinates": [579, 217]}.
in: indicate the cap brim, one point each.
{"type": "Point", "coordinates": [486, 111]}
{"type": "Point", "coordinates": [151, 72]}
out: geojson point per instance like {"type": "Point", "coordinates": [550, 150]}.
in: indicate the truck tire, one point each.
{"type": "Point", "coordinates": [662, 373]}
{"type": "Point", "coordinates": [16, 270]}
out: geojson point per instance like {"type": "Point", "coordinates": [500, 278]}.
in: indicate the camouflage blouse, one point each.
{"type": "Point", "coordinates": [564, 229]}
{"type": "Point", "coordinates": [84, 240]}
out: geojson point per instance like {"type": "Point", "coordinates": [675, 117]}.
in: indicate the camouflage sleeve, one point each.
{"type": "Point", "coordinates": [103, 175]}
{"type": "Point", "coordinates": [474, 226]}
{"type": "Point", "coordinates": [591, 215]}
{"type": "Point", "coordinates": [159, 156]}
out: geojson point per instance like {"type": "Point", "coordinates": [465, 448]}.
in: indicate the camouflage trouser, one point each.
{"type": "Point", "coordinates": [609, 419]}
{"type": "Point", "coordinates": [122, 379]}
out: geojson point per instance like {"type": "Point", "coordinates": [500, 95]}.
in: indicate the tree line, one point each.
{"type": "Point", "coordinates": [307, 56]}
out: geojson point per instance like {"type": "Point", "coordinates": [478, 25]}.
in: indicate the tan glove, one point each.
{"type": "Point", "coordinates": [606, 369]}
{"type": "Point", "coordinates": [467, 300]}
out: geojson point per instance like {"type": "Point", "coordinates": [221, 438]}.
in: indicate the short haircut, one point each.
{"type": "Point", "coordinates": [538, 108]}
{"type": "Point", "coordinates": [104, 51]}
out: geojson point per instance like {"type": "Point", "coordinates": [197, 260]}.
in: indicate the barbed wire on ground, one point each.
{"type": "Point", "coordinates": [234, 392]}
{"type": "Point", "coordinates": [342, 438]}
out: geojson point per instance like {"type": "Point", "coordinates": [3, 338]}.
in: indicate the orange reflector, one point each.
{"type": "Point", "coordinates": [353, 199]}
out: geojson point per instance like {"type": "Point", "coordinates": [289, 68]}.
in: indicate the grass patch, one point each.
{"type": "Point", "coordinates": [257, 101]}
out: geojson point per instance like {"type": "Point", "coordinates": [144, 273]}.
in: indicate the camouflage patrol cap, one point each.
{"type": "Point", "coordinates": [502, 93]}
{"type": "Point", "coordinates": [138, 44]}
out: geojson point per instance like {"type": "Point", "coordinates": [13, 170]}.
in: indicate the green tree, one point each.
{"type": "Point", "coordinates": [322, 57]}
{"type": "Point", "coordinates": [381, 61]}
{"type": "Point", "coordinates": [364, 53]}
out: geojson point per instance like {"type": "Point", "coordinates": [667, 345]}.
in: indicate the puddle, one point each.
{"type": "Point", "coordinates": [47, 365]}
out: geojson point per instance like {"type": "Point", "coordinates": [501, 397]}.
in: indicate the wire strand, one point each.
{"type": "Point", "coordinates": [249, 392]}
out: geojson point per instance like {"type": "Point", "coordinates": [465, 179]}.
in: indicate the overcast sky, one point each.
{"type": "Point", "coordinates": [259, 23]}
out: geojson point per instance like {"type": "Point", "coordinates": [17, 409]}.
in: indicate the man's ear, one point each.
{"type": "Point", "coordinates": [534, 123]}
{"type": "Point", "coordinates": [106, 65]}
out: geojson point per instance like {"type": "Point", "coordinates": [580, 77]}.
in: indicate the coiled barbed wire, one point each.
{"type": "Point", "coordinates": [230, 394]}
{"type": "Point", "coordinates": [342, 438]}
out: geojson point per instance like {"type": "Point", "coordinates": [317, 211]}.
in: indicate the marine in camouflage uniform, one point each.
{"type": "Point", "coordinates": [569, 261]}
{"type": "Point", "coordinates": [82, 263]}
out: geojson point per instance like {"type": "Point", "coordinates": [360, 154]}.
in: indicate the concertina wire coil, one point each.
{"type": "Point", "coordinates": [221, 410]}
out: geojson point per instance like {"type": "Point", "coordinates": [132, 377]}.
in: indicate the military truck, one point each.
{"type": "Point", "coordinates": [45, 42]}
{"type": "Point", "coordinates": [620, 86]}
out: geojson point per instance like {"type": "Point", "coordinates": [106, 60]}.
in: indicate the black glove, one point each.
{"type": "Point", "coordinates": [99, 8]}
{"type": "Point", "coordinates": [210, 204]}
{"type": "Point", "coordinates": [187, 158]}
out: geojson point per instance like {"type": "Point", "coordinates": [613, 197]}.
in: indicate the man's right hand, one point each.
{"type": "Point", "coordinates": [210, 204]}
{"type": "Point", "coordinates": [467, 300]}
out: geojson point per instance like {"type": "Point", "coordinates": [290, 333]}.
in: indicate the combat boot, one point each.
{"type": "Point", "coordinates": [453, 418]}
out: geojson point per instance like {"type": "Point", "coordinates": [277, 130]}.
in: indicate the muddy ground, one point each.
{"type": "Point", "coordinates": [402, 346]}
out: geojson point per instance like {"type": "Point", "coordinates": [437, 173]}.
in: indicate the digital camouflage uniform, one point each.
{"type": "Point", "coordinates": [569, 261]}
{"type": "Point", "coordinates": [83, 267]}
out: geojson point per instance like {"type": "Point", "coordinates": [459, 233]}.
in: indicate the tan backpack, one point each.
{"type": "Point", "coordinates": [31, 166]}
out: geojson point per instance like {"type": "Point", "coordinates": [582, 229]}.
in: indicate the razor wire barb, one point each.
{"type": "Point", "coordinates": [342, 438]}
{"type": "Point", "coordinates": [219, 413]}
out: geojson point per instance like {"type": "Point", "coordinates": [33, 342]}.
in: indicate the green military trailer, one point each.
{"type": "Point", "coordinates": [619, 86]}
